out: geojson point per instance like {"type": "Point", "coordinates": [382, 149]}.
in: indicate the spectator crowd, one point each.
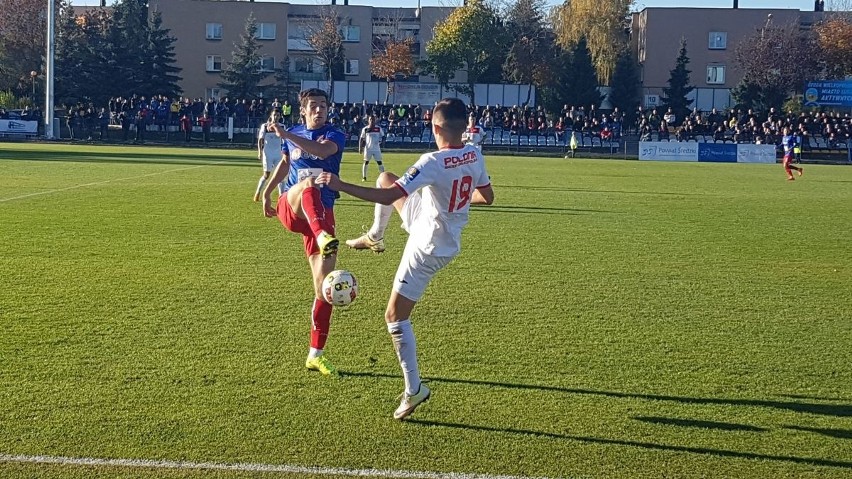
{"type": "Point", "coordinates": [137, 115]}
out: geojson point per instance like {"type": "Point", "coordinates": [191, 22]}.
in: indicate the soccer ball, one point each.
{"type": "Point", "coordinates": [339, 288]}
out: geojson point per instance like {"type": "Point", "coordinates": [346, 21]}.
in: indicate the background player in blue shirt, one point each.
{"type": "Point", "coordinates": [789, 142]}
{"type": "Point", "coordinates": [308, 150]}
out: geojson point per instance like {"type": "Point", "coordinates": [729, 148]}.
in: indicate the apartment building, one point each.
{"type": "Point", "coordinates": [712, 35]}
{"type": "Point", "coordinates": [207, 31]}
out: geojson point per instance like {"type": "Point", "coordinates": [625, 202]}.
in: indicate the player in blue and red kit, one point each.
{"type": "Point", "coordinates": [304, 208]}
{"type": "Point", "coordinates": [789, 142]}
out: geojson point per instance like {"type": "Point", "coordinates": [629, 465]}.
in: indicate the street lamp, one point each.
{"type": "Point", "coordinates": [33, 75]}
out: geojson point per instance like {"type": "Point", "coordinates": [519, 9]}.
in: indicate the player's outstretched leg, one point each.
{"type": "Point", "coordinates": [373, 239]}
{"type": "Point", "coordinates": [259, 189]}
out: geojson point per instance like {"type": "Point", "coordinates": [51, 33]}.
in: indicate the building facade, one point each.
{"type": "Point", "coordinates": [207, 33]}
{"type": "Point", "coordinates": [712, 35]}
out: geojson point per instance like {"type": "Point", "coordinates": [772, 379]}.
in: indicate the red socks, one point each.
{"type": "Point", "coordinates": [320, 323]}
{"type": "Point", "coordinates": [314, 210]}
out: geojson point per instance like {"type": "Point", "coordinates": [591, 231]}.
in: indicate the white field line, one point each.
{"type": "Point", "coordinates": [2, 200]}
{"type": "Point", "coordinates": [244, 467]}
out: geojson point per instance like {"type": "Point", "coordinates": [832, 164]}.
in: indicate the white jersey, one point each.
{"type": "Point", "coordinates": [473, 136]}
{"type": "Point", "coordinates": [445, 179]}
{"type": "Point", "coordinates": [271, 147]}
{"type": "Point", "coordinates": [372, 137]}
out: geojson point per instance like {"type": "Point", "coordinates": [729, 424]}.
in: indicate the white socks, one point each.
{"type": "Point", "coordinates": [260, 184]}
{"type": "Point", "coordinates": [381, 217]}
{"type": "Point", "coordinates": [314, 353]}
{"type": "Point", "coordinates": [406, 351]}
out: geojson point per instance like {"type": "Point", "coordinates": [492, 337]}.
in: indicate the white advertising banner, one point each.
{"type": "Point", "coordinates": [666, 151]}
{"type": "Point", "coordinates": [18, 126]}
{"type": "Point", "coordinates": [416, 93]}
{"type": "Point", "coordinates": [755, 153]}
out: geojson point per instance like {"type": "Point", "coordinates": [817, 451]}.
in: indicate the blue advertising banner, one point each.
{"type": "Point", "coordinates": [717, 153]}
{"type": "Point", "coordinates": [828, 93]}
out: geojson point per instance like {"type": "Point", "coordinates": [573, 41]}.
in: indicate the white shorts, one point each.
{"type": "Point", "coordinates": [373, 154]}
{"type": "Point", "coordinates": [416, 268]}
{"type": "Point", "coordinates": [271, 160]}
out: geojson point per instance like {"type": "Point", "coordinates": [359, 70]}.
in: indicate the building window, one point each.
{"type": "Point", "coordinates": [715, 74]}
{"type": "Point", "coordinates": [214, 31]}
{"type": "Point", "coordinates": [304, 65]}
{"type": "Point", "coordinates": [267, 63]}
{"type": "Point", "coordinates": [718, 41]}
{"type": "Point", "coordinates": [214, 93]}
{"type": "Point", "coordinates": [265, 31]}
{"type": "Point", "coordinates": [214, 63]}
{"type": "Point", "coordinates": [351, 67]}
{"type": "Point", "coordinates": [351, 33]}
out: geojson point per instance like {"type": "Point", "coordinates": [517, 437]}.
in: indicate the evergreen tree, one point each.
{"type": "Point", "coordinates": [625, 85]}
{"type": "Point", "coordinates": [529, 58]}
{"type": "Point", "coordinates": [242, 76]}
{"type": "Point", "coordinates": [164, 79]}
{"type": "Point", "coordinates": [126, 51]}
{"type": "Point", "coordinates": [674, 96]}
{"type": "Point", "coordinates": [582, 87]}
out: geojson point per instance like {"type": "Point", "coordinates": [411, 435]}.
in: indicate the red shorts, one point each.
{"type": "Point", "coordinates": [789, 155]}
{"type": "Point", "coordinates": [295, 224]}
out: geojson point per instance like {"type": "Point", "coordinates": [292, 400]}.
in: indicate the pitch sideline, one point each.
{"type": "Point", "coordinates": [60, 190]}
{"type": "Point", "coordinates": [244, 467]}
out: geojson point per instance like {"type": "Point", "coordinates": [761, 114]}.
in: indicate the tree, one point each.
{"type": "Point", "coordinates": [22, 43]}
{"type": "Point", "coordinates": [472, 38]}
{"type": "Point", "coordinates": [531, 52]}
{"type": "Point", "coordinates": [625, 84]}
{"type": "Point", "coordinates": [243, 75]}
{"type": "Point", "coordinates": [834, 37]}
{"type": "Point", "coordinates": [164, 77]}
{"type": "Point", "coordinates": [675, 95]}
{"type": "Point", "coordinates": [126, 53]}
{"type": "Point", "coordinates": [582, 78]}
{"type": "Point", "coordinates": [82, 70]}
{"type": "Point", "coordinates": [602, 23]}
{"type": "Point", "coordinates": [764, 59]}
{"type": "Point", "coordinates": [327, 41]}
{"type": "Point", "coordinates": [395, 60]}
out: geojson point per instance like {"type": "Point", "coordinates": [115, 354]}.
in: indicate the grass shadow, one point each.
{"type": "Point", "coordinates": [543, 210]}
{"type": "Point", "coordinates": [639, 444]}
{"type": "Point", "coordinates": [838, 410]}
{"type": "Point", "coordinates": [835, 433]}
{"type": "Point", "coordinates": [724, 426]}
{"type": "Point", "coordinates": [151, 156]}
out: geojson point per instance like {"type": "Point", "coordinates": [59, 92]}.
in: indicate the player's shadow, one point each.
{"type": "Point", "coordinates": [639, 444]}
{"type": "Point", "coordinates": [722, 426]}
{"type": "Point", "coordinates": [589, 190]}
{"type": "Point", "coordinates": [542, 210]}
{"type": "Point", "coordinates": [838, 410]}
{"type": "Point", "coordinates": [835, 433]}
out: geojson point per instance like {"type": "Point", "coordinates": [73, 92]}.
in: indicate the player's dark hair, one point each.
{"type": "Point", "coordinates": [311, 92]}
{"type": "Point", "coordinates": [451, 114]}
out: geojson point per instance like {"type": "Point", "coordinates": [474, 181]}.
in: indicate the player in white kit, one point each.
{"type": "Point", "coordinates": [268, 149]}
{"type": "Point", "coordinates": [474, 134]}
{"type": "Point", "coordinates": [433, 198]}
{"type": "Point", "coordinates": [371, 139]}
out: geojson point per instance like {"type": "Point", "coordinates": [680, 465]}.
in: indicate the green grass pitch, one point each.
{"type": "Point", "coordinates": [605, 318]}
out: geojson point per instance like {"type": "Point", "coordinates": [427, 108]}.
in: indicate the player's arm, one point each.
{"type": "Point", "coordinates": [281, 171]}
{"type": "Point", "coordinates": [483, 195]}
{"type": "Point", "coordinates": [321, 149]}
{"type": "Point", "coordinates": [383, 196]}
{"type": "Point", "coordinates": [361, 139]}
{"type": "Point", "coordinates": [260, 143]}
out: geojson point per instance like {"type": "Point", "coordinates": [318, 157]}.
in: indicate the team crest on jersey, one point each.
{"type": "Point", "coordinates": [411, 173]}
{"type": "Point", "coordinates": [296, 153]}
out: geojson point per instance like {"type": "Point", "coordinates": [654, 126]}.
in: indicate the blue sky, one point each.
{"type": "Point", "coordinates": [797, 4]}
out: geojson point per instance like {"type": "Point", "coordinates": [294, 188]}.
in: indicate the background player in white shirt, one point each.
{"type": "Point", "coordinates": [474, 134]}
{"type": "Point", "coordinates": [268, 149]}
{"type": "Point", "coordinates": [433, 198]}
{"type": "Point", "coordinates": [371, 139]}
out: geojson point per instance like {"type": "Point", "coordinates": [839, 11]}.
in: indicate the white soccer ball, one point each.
{"type": "Point", "coordinates": [339, 288]}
